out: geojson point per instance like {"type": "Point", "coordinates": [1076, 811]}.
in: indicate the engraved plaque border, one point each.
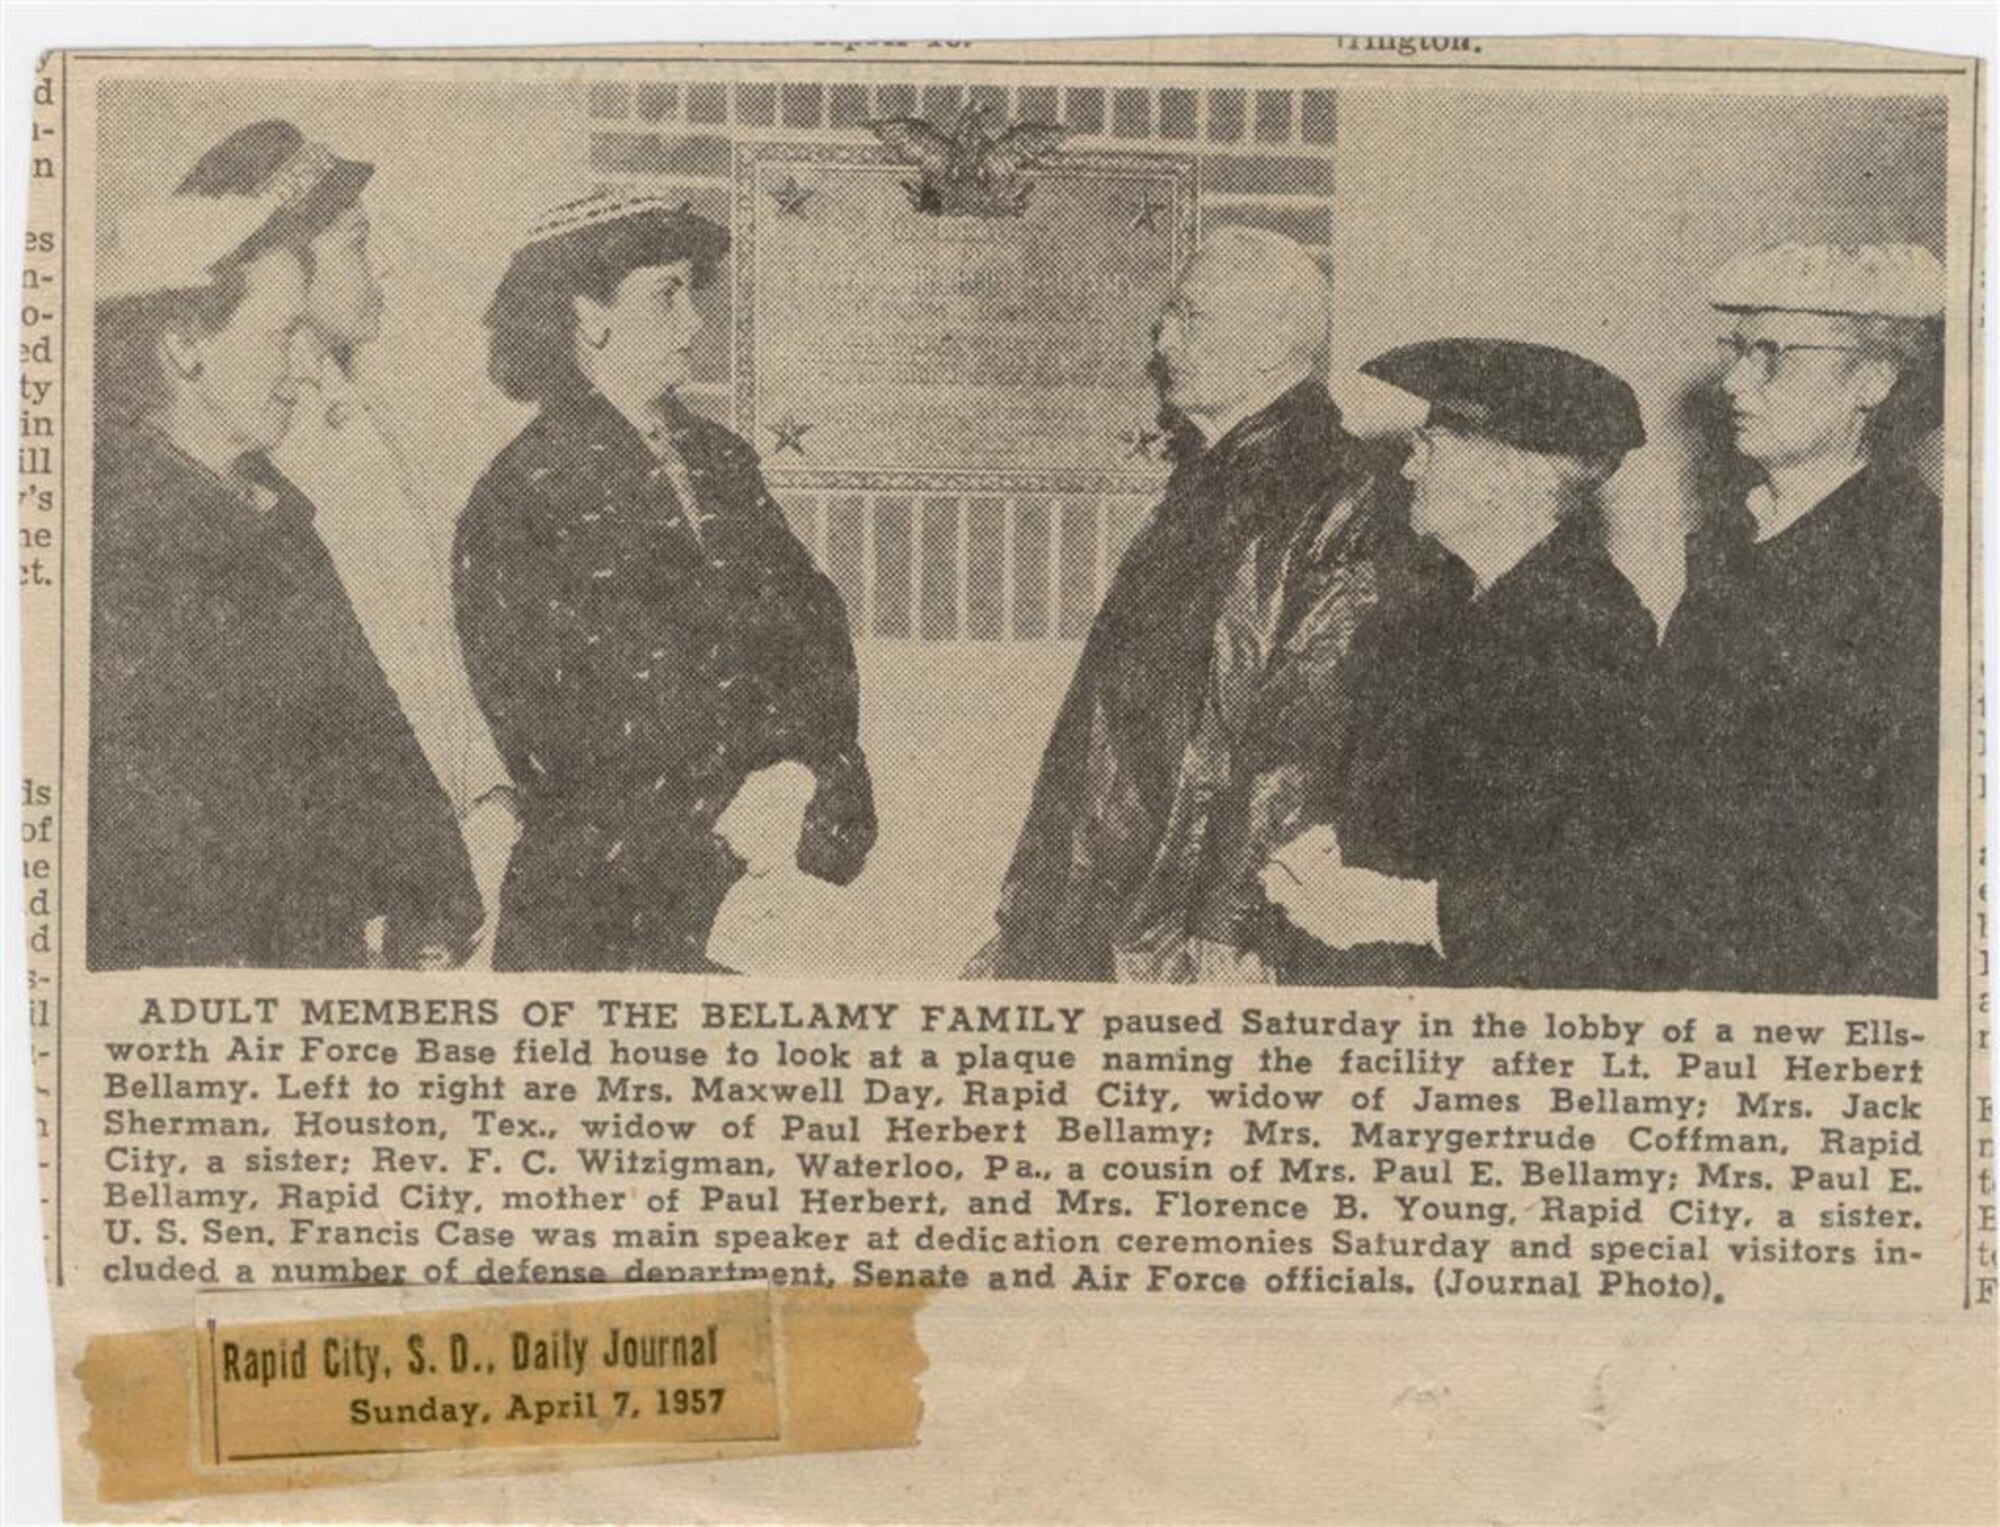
{"type": "Point", "coordinates": [1181, 174]}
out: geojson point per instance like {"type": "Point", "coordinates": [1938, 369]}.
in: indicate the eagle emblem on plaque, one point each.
{"type": "Point", "coordinates": [968, 170]}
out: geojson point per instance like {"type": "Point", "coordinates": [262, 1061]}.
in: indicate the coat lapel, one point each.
{"type": "Point", "coordinates": [629, 479]}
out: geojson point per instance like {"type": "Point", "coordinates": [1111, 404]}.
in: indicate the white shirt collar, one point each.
{"type": "Point", "coordinates": [1806, 488]}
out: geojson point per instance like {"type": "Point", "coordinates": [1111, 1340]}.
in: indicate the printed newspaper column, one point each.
{"type": "Point", "coordinates": [42, 478]}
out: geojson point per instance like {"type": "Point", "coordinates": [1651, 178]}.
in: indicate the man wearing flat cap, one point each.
{"type": "Point", "coordinates": [1794, 711]}
{"type": "Point", "coordinates": [1483, 788]}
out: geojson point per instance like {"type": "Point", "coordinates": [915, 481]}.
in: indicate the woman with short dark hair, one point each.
{"type": "Point", "coordinates": [532, 320]}
{"type": "Point", "coordinates": [256, 797]}
{"type": "Point", "coordinates": [640, 625]}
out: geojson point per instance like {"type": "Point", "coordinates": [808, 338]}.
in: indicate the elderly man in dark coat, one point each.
{"type": "Point", "coordinates": [1794, 748]}
{"type": "Point", "coordinates": [640, 625]}
{"type": "Point", "coordinates": [256, 796]}
{"type": "Point", "coordinates": [1212, 672]}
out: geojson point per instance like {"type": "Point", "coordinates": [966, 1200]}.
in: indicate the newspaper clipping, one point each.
{"type": "Point", "coordinates": [1180, 780]}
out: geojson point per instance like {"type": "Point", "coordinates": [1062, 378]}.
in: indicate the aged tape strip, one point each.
{"type": "Point", "coordinates": [236, 1403]}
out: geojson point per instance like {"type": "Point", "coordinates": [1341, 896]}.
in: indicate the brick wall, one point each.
{"type": "Point", "coordinates": [978, 567]}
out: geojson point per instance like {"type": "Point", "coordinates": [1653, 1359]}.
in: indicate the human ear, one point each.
{"type": "Point", "coordinates": [593, 321]}
{"type": "Point", "coordinates": [1278, 348]}
{"type": "Point", "coordinates": [1871, 381]}
{"type": "Point", "coordinates": [182, 355]}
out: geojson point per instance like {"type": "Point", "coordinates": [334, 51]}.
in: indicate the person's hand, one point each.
{"type": "Point", "coordinates": [491, 826]}
{"type": "Point", "coordinates": [1342, 905]}
{"type": "Point", "coordinates": [1219, 964]}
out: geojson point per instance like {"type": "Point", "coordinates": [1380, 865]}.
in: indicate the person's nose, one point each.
{"type": "Point", "coordinates": [1742, 375]}
{"type": "Point", "coordinates": [304, 356]}
{"type": "Point", "coordinates": [1414, 463]}
{"type": "Point", "coordinates": [1167, 335]}
{"type": "Point", "coordinates": [690, 314]}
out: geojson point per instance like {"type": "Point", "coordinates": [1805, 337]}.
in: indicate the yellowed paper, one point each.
{"type": "Point", "coordinates": [1130, 780]}
{"type": "Point", "coordinates": [311, 1404]}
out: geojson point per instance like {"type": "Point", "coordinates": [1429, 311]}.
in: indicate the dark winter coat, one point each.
{"type": "Point", "coordinates": [635, 671]}
{"type": "Point", "coordinates": [1174, 760]}
{"type": "Point", "coordinates": [256, 796]}
{"type": "Point", "coordinates": [1793, 753]}
{"type": "Point", "coordinates": [1495, 758]}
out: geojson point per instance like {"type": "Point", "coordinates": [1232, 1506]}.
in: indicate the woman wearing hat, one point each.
{"type": "Point", "coordinates": [1485, 794]}
{"type": "Point", "coordinates": [256, 795]}
{"type": "Point", "coordinates": [640, 625]}
{"type": "Point", "coordinates": [390, 543]}
{"type": "Point", "coordinates": [1794, 707]}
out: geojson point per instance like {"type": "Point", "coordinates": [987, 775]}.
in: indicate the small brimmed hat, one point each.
{"type": "Point", "coordinates": [303, 183]}
{"type": "Point", "coordinates": [1534, 397]}
{"type": "Point", "coordinates": [1903, 281]}
{"type": "Point", "coordinates": [263, 185]}
{"type": "Point", "coordinates": [680, 228]}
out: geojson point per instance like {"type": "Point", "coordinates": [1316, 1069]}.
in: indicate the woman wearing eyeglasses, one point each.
{"type": "Point", "coordinates": [1794, 713]}
{"type": "Point", "coordinates": [1484, 796]}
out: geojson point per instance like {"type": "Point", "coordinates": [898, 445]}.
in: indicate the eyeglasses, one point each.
{"type": "Point", "coordinates": [1425, 437]}
{"type": "Point", "coordinates": [1767, 353]}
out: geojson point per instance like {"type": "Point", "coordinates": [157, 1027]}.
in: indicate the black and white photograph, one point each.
{"type": "Point", "coordinates": [1219, 536]}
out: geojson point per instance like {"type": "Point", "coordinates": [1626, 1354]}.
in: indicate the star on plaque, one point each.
{"type": "Point", "coordinates": [1139, 442]}
{"type": "Point", "coordinates": [792, 197]}
{"type": "Point", "coordinates": [791, 435]}
{"type": "Point", "coordinates": [1146, 216]}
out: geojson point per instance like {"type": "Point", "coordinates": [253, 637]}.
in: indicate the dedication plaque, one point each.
{"type": "Point", "coordinates": [880, 346]}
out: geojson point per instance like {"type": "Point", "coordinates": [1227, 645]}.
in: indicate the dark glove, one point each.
{"type": "Point", "coordinates": [839, 826]}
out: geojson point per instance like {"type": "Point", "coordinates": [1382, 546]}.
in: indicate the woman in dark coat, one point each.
{"type": "Point", "coordinates": [1491, 754]}
{"type": "Point", "coordinates": [640, 625]}
{"type": "Point", "coordinates": [1794, 711]}
{"type": "Point", "coordinates": [256, 796]}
